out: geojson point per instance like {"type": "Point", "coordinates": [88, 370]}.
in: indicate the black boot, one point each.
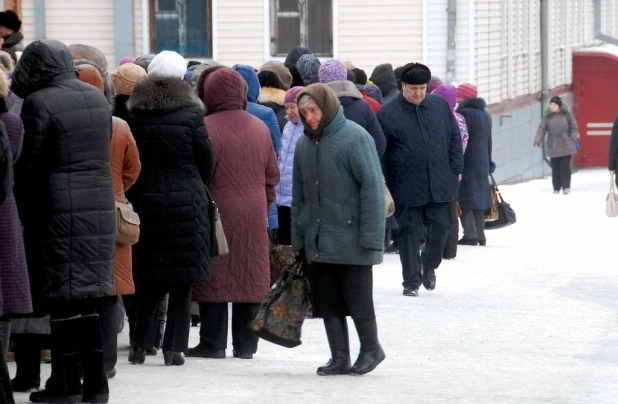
{"type": "Point", "coordinates": [173, 358]}
{"type": "Point", "coordinates": [137, 355]}
{"type": "Point", "coordinates": [338, 341]}
{"type": "Point", "coordinates": [28, 363]}
{"type": "Point", "coordinates": [64, 385]}
{"type": "Point", "coordinates": [371, 353]}
{"type": "Point", "coordinates": [203, 350]}
{"type": "Point", "coordinates": [96, 389]}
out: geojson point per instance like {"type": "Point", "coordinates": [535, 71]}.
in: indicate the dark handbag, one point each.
{"type": "Point", "coordinates": [218, 241]}
{"type": "Point", "coordinates": [281, 315]}
{"type": "Point", "coordinates": [281, 258]}
{"type": "Point", "coordinates": [506, 215]}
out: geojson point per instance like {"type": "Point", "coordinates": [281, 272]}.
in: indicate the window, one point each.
{"type": "Point", "coordinates": [182, 26]}
{"type": "Point", "coordinates": [308, 23]}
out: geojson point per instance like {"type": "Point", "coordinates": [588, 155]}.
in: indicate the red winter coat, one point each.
{"type": "Point", "coordinates": [375, 106]}
{"type": "Point", "coordinates": [243, 185]}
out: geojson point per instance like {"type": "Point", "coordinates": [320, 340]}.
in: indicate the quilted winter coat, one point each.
{"type": "Point", "coordinates": [423, 157]}
{"type": "Point", "coordinates": [560, 139]}
{"type": "Point", "coordinates": [16, 299]}
{"type": "Point", "coordinates": [125, 169]}
{"type": "Point", "coordinates": [291, 133]}
{"type": "Point", "coordinates": [63, 180]}
{"type": "Point", "coordinates": [243, 185]}
{"type": "Point", "coordinates": [166, 119]}
{"type": "Point", "coordinates": [338, 204]}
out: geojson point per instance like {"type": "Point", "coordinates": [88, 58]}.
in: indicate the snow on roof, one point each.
{"type": "Point", "coordinates": [610, 49]}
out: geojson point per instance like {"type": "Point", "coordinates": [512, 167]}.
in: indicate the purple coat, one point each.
{"type": "Point", "coordinates": [16, 298]}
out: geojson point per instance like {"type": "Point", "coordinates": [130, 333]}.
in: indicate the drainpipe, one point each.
{"type": "Point", "coordinates": [544, 64]}
{"type": "Point", "coordinates": [597, 25]}
{"type": "Point", "coordinates": [450, 45]}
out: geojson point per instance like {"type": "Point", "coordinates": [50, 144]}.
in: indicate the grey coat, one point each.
{"type": "Point", "coordinates": [559, 142]}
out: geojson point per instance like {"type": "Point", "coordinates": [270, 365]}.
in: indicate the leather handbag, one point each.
{"type": "Point", "coordinates": [127, 224]}
{"type": "Point", "coordinates": [389, 202]}
{"type": "Point", "coordinates": [281, 315]}
{"type": "Point", "coordinates": [218, 241]}
{"type": "Point", "coordinates": [506, 215]}
{"type": "Point", "coordinates": [611, 202]}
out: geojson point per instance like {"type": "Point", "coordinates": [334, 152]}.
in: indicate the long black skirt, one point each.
{"type": "Point", "coordinates": [341, 290]}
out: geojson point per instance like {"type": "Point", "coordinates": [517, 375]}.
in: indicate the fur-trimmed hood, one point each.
{"type": "Point", "coordinates": [271, 94]}
{"type": "Point", "coordinates": [345, 88]}
{"type": "Point", "coordinates": [477, 103]}
{"type": "Point", "coordinates": [162, 94]}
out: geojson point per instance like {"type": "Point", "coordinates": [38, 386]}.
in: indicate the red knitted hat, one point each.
{"type": "Point", "coordinates": [466, 91]}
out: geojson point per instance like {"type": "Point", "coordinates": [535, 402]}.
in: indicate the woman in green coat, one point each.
{"type": "Point", "coordinates": [338, 224]}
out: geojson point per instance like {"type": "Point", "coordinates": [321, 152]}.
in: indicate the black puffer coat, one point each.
{"type": "Point", "coordinates": [167, 121]}
{"type": "Point", "coordinates": [63, 180]}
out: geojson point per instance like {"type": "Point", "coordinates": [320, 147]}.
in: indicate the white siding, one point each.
{"type": "Point", "coordinates": [138, 25]}
{"type": "Point", "coordinates": [27, 18]}
{"type": "Point", "coordinates": [464, 53]}
{"type": "Point", "coordinates": [437, 38]}
{"type": "Point", "coordinates": [89, 22]}
{"type": "Point", "coordinates": [489, 50]}
{"type": "Point", "coordinates": [240, 32]}
{"type": "Point", "coordinates": [370, 34]}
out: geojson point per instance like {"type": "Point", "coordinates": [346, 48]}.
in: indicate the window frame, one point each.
{"type": "Point", "coordinates": [271, 27]}
{"type": "Point", "coordinates": [153, 32]}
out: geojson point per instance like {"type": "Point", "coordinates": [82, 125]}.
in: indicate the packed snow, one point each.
{"type": "Point", "coordinates": [531, 318]}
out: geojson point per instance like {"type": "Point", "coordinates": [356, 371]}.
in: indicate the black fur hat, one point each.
{"type": "Point", "coordinates": [415, 73]}
{"type": "Point", "coordinates": [10, 20]}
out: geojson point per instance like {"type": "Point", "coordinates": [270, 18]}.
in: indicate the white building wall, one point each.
{"type": "Point", "coordinates": [240, 32]}
{"type": "Point", "coordinates": [372, 33]}
{"type": "Point", "coordinates": [88, 22]}
{"type": "Point", "coordinates": [437, 38]}
{"type": "Point", "coordinates": [138, 27]}
{"type": "Point", "coordinates": [465, 43]}
{"type": "Point", "coordinates": [27, 20]}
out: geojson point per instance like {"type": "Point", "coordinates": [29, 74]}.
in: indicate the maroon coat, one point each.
{"type": "Point", "coordinates": [243, 185]}
{"type": "Point", "coordinates": [16, 298]}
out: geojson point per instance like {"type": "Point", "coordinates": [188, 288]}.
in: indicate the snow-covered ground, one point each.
{"type": "Point", "coordinates": [531, 318]}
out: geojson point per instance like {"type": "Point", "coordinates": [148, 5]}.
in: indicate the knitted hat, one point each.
{"type": "Point", "coordinates": [10, 20]}
{"type": "Point", "coordinates": [308, 65]}
{"type": "Point", "coordinates": [199, 69]}
{"type": "Point", "coordinates": [126, 59]}
{"type": "Point", "coordinates": [292, 94]}
{"type": "Point", "coordinates": [282, 72]}
{"type": "Point", "coordinates": [332, 70]}
{"type": "Point", "coordinates": [466, 91]}
{"type": "Point", "coordinates": [415, 73]}
{"type": "Point", "coordinates": [125, 77]}
{"type": "Point", "coordinates": [144, 60]}
{"type": "Point", "coordinates": [556, 99]}
{"type": "Point", "coordinates": [433, 84]}
{"type": "Point", "coordinates": [168, 64]}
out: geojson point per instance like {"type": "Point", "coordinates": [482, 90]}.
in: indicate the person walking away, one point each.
{"type": "Point", "coordinates": [11, 38]}
{"type": "Point", "coordinates": [562, 132]}
{"type": "Point", "coordinates": [422, 164]}
{"type": "Point", "coordinates": [243, 185]}
{"type": "Point", "coordinates": [166, 119]}
{"type": "Point", "coordinates": [474, 195]}
{"type": "Point", "coordinates": [338, 225]}
{"type": "Point", "coordinates": [449, 93]}
{"type": "Point", "coordinates": [334, 74]}
{"type": "Point", "coordinates": [65, 198]}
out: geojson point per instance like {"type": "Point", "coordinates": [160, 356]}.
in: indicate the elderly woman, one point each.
{"type": "Point", "coordinates": [561, 127]}
{"type": "Point", "coordinates": [243, 185]}
{"type": "Point", "coordinates": [338, 225]}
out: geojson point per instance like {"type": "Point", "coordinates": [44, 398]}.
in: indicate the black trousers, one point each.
{"type": "Point", "coordinates": [284, 233]}
{"type": "Point", "coordinates": [214, 326]}
{"type": "Point", "coordinates": [561, 172]}
{"type": "Point", "coordinates": [27, 349]}
{"type": "Point", "coordinates": [107, 309]}
{"type": "Point", "coordinates": [6, 393]}
{"type": "Point", "coordinates": [342, 290]}
{"type": "Point", "coordinates": [147, 300]}
{"type": "Point", "coordinates": [473, 223]}
{"type": "Point", "coordinates": [450, 248]}
{"type": "Point", "coordinates": [437, 218]}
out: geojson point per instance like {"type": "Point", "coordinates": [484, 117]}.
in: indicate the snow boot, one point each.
{"type": "Point", "coordinates": [137, 355]}
{"type": "Point", "coordinates": [64, 384]}
{"type": "Point", "coordinates": [371, 353]}
{"type": "Point", "coordinates": [202, 350]}
{"type": "Point", "coordinates": [95, 389]}
{"type": "Point", "coordinates": [173, 358]}
{"type": "Point", "coordinates": [338, 341]}
{"type": "Point", "coordinates": [429, 278]}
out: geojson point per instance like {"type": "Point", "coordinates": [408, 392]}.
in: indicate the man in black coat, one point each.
{"type": "Point", "coordinates": [422, 163]}
{"type": "Point", "coordinates": [65, 198]}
